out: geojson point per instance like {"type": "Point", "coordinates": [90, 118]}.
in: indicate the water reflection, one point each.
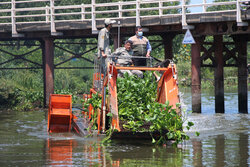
{"type": "Point", "coordinates": [69, 153]}
{"type": "Point", "coordinates": [244, 149]}
{"type": "Point", "coordinates": [219, 150]}
{"type": "Point", "coordinates": [210, 149]}
{"type": "Point", "coordinates": [197, 152]}
{"type": "Point", "coordinates": [59, 152]}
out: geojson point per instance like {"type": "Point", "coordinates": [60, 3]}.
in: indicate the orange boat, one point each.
{"type": "Point", "coordinates": [60, 115]}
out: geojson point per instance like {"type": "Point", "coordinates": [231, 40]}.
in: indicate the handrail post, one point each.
{"type": "Point", "coordinates": [47, 13]}
{"type": "Point", "coordinates": [120, 9]}
{"type": "Point", "coordinates": [204, 8]}
{"type": "Point", "coordinates": [52, 22]}
{"type": "Point", "coordinates": [138, 13]}
{"type": "Point", "coordinates": [94, 29]}
{"type": "Point", "coordinates": [13, 19]}
{"type": "Point", "coordinates": [83, 11]}
{"type": "Point", "coordinates": [52, 19]}
{"type": "Point", "coordinates": [184, 16]}
{"type": "Point", "coordinates": [238, 15]}
{"type": "Point", "coordinates": [183, 10]}
{"type": "Point", "coordinates": [160, 8]}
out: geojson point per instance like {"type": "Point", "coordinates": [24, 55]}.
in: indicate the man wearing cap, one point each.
{"type": "Point", "coordinates": [141, 47]}
{"type": "Point", "coordinates": [103, 38]}
{"type": "Point", "coordinates": [123, 58]}
{"type": "Point", "coordinates": [103, 41]}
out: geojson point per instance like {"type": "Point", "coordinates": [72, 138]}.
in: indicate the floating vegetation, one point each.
{"type": "Point", "coordinates": [140, 112]}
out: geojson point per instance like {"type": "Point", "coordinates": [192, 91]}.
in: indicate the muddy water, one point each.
{"type": "Point", "coordinates": [224, 141]}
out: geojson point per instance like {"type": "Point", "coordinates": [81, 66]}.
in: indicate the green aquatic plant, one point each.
{"type": "Point", "coordinates": [95, 102]}
{"type": "Point", "coordinates": [135, 96]}
{"type": "Point", "coordinates": [140, 112]}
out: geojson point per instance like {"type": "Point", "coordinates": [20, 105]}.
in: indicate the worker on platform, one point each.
{"type": "Point", "coordinates": [123, 58]}
{"type": "Point", "coordinates": [103, 42]}
{"type": "Point", "coordinates": [141, 47]}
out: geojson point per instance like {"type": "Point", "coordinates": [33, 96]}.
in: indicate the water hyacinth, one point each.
{"type": "Point", "coordinates": [138, 107]}
{"type": "Point", "coordinates": [140, 112]}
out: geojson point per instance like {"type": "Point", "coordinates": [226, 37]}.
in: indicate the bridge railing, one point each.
{"type": "Point", "coordinates": [14, 12]}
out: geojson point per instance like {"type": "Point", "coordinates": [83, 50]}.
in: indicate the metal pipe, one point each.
{"type": "Point", "coordinates": [119, 34]}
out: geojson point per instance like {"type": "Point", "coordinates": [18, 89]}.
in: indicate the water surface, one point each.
{"type": "Point", "coordinates": [223, 141]}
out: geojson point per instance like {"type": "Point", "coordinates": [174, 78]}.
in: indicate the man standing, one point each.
{"type": "Point", "coordinates": [103, 42]}
{"type": "Point", "coordinates": [123, 58]}
{"type": "Point", "coordinates": [141, 47]}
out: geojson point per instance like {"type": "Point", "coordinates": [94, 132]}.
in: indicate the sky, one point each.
{"type": "Point", "coordinates": [198, 9]}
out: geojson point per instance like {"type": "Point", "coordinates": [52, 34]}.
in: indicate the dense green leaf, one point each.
{"type": "Point", "coordinates": [190, 124]}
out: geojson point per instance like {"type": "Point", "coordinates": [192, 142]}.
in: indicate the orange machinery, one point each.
{"type": "Point", "coordinates": [167, 90]}
{"type": "Point", "coordinates": [60, 114]}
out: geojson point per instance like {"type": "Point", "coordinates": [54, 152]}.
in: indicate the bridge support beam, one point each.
{"type": "Point", "coordinates": [196, 76]}
{"type": "Point", "coordinates": [241, 43]}
{"type": "Point", "coordinates": [48, 68]}
{"type": "Point", "coordinates": [218, 75]}
{"type": "Point", "coordinates": [168, 46]}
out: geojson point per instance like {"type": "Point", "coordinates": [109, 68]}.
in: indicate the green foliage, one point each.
{"type": "Point", "coordinates": [138, 108]}
{"type": "Point", "coordinates": [184, 54]}
{"type": "Point", "coordinates": [134, 94]}
{"type": "Point", "coordinates": [221, 7]}
{"type": "Point", "coordinates": [96, 102]}
{"type": "Point", "coordinates": [168, 122]}
{"type": "Point", "coordinates": [140, 112]}
{"type": "Point", "coordinates": [20, 91]}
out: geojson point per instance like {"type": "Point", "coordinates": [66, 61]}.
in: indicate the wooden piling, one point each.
{"type": "Point", "coordinates": [48, 68]}
{"type": "Point", "coordinates": [196, 76]}
{"type": "Point", "coordinates": [168, 46]}
{"type": "Point", "coordinates": [218, 74]}
{"type": "Point", "coordinates": [241, 44]}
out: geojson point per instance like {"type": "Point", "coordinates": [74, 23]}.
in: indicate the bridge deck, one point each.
{"type": "Point", "coordinates": [155, 24]}
{"type": "Point", "coordinates": [42, 18]}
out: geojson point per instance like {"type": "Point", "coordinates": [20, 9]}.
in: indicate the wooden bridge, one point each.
{"type": "Point", "coordinates": [47, 20]}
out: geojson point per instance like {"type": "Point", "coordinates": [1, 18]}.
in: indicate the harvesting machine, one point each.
{"type": "Point", "coordinates": [61, 119]}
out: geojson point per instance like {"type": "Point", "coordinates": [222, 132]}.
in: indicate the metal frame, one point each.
{"type": "Point", "coordinates": [75, 55]}
{"type": "Point", "coordinates": [18, 57]}
{"type": "Point", "coordinates": [40, 66]}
